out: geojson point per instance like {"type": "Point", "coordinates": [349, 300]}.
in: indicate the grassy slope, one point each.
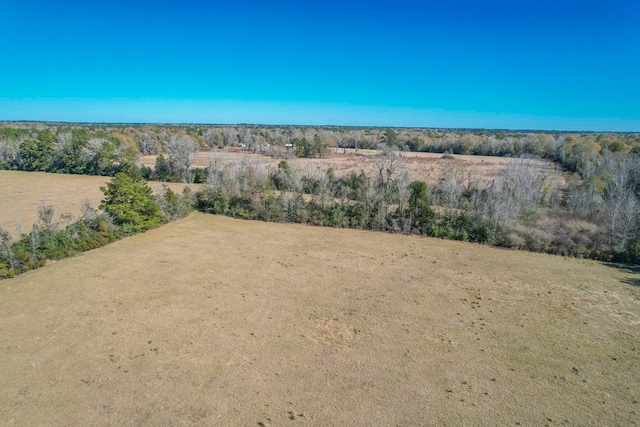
{"type": "Point", "coordinates": [212, 320]}
{"type": "Point", "coordinates": [22, 193]}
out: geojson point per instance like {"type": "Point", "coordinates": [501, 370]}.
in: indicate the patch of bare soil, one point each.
{"type": "Point", "coordinates": [215, 321]}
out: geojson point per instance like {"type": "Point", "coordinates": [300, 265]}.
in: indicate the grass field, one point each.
{"type": "Point", "coordinates": [427, 167]}
{"type": "Point", "coordinates": [22, 193]}
{"type": "Point", "coordinates": [215, 321]}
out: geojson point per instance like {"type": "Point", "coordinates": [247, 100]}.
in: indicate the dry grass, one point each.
{"type": "Point", "coordinates": [22, 193]}
{"type": "Point", "coordinates": [427, 167]}
{"type": "Point", "coordinates": [215, 321]}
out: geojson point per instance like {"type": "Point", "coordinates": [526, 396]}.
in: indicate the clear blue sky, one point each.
{"type": "Point", "coordinates": [533, 64]}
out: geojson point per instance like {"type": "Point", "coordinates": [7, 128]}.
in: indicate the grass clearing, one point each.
{"type": "Point", "coordinates": [211, 320]}
{"type": "Point", "coordinates": [427, 167]}
{"type": "Point", "coordinates": [22, 193]}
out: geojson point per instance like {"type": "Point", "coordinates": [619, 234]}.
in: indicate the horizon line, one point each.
{"type": "Point", "coordinates": [163, 123]}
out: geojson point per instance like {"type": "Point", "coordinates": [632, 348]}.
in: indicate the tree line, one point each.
{"type": "Point", "coordinates": [106, 149]}
{"type": "Point", "coordinates": [596, 214]}
{"type": "Point", "coordinates": [525, 208]}
{"type": "Point", "coordinates": [129, 207]}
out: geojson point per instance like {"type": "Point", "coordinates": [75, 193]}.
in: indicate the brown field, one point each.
{"type": "Point", "coordinates": [22, 193]}
{"type": "Point", "coordinates": [215, 321]}
{"type": "Point", "coordinates": [427, 167]}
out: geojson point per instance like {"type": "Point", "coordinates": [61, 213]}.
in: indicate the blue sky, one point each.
{"type": "Point", "coordinates": [566, 65]}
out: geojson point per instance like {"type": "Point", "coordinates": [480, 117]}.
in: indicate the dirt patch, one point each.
{"type": "Point", "coordinates": [211, 320]}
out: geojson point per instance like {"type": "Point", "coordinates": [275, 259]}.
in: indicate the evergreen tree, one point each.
{"type": "Point", "coordinates": [131, 203]}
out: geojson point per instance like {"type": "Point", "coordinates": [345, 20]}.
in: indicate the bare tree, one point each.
{"type": "Point", "coordinates": [182, 151]}
{"type": "Point", "coordinates": [621, 171]}
{"type": "Point", "coordinates": [527, 185]}
{"type": "Point", "coordinates": [215, 169]}
{"type": "Point", "coordinates": [47, 218]}
{"type": "Point", "coordinates": [88, 213]}
{"type": "Point", "coordinates": [146, 144]}
{"type": "Point", "coordinates": [92, 148]}
{"type": "Point", "coordinates": [621, 206]}
{"type": "Point", "coordinates": [451, 186]}
{"type": "Point", "coordinates": [403, 221]}
{"type": "Point", "coordinates": [387, 165]}
{"type": "Point", "coordinates": [323, 189]}
{"type": "Point", "coordinates": [358, 137]}
{"type": "Point", "coordinates": [6, 250]}
{"type": "Point", "coordinates": [622, 213]}
{"type": "Point", "coordinates": [229, 136]}
{"type": "Point", "coordinates": [9, 150]}
{"type": "Point", "coordinates": [497, 209]}
{"type": "Point", "coordinates": [63, 139]}
{"type": "Point", "coordinates": [246, 138]}
{"type": "Point", "coordinates": [584, 200]}
{"type": "Point", "coordinates": [328, 140]}
{"type": "Point", "coordinates": [373, 205]}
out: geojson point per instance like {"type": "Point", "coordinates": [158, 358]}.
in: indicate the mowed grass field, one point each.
{"type": "Point", "coordinates": [22, 194]}
{"type": "Point", "coordinates": [216, 321]}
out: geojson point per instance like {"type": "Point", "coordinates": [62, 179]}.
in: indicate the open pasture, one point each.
{"type": "Point", "coordinates": [22, 194]}
{"type": "Point", "coordinates": [215, 321]}
{"type": "Point", "coordinates": [427, 167]}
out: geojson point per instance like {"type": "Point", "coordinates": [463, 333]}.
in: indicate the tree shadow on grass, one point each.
{"type": "Point", "coordinates": [634, 270]}
{"type": "Point", "coordinates": [632, 281]}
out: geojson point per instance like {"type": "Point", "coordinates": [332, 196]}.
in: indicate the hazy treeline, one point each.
{"type": "Point", "coordinates": [104, 149]}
